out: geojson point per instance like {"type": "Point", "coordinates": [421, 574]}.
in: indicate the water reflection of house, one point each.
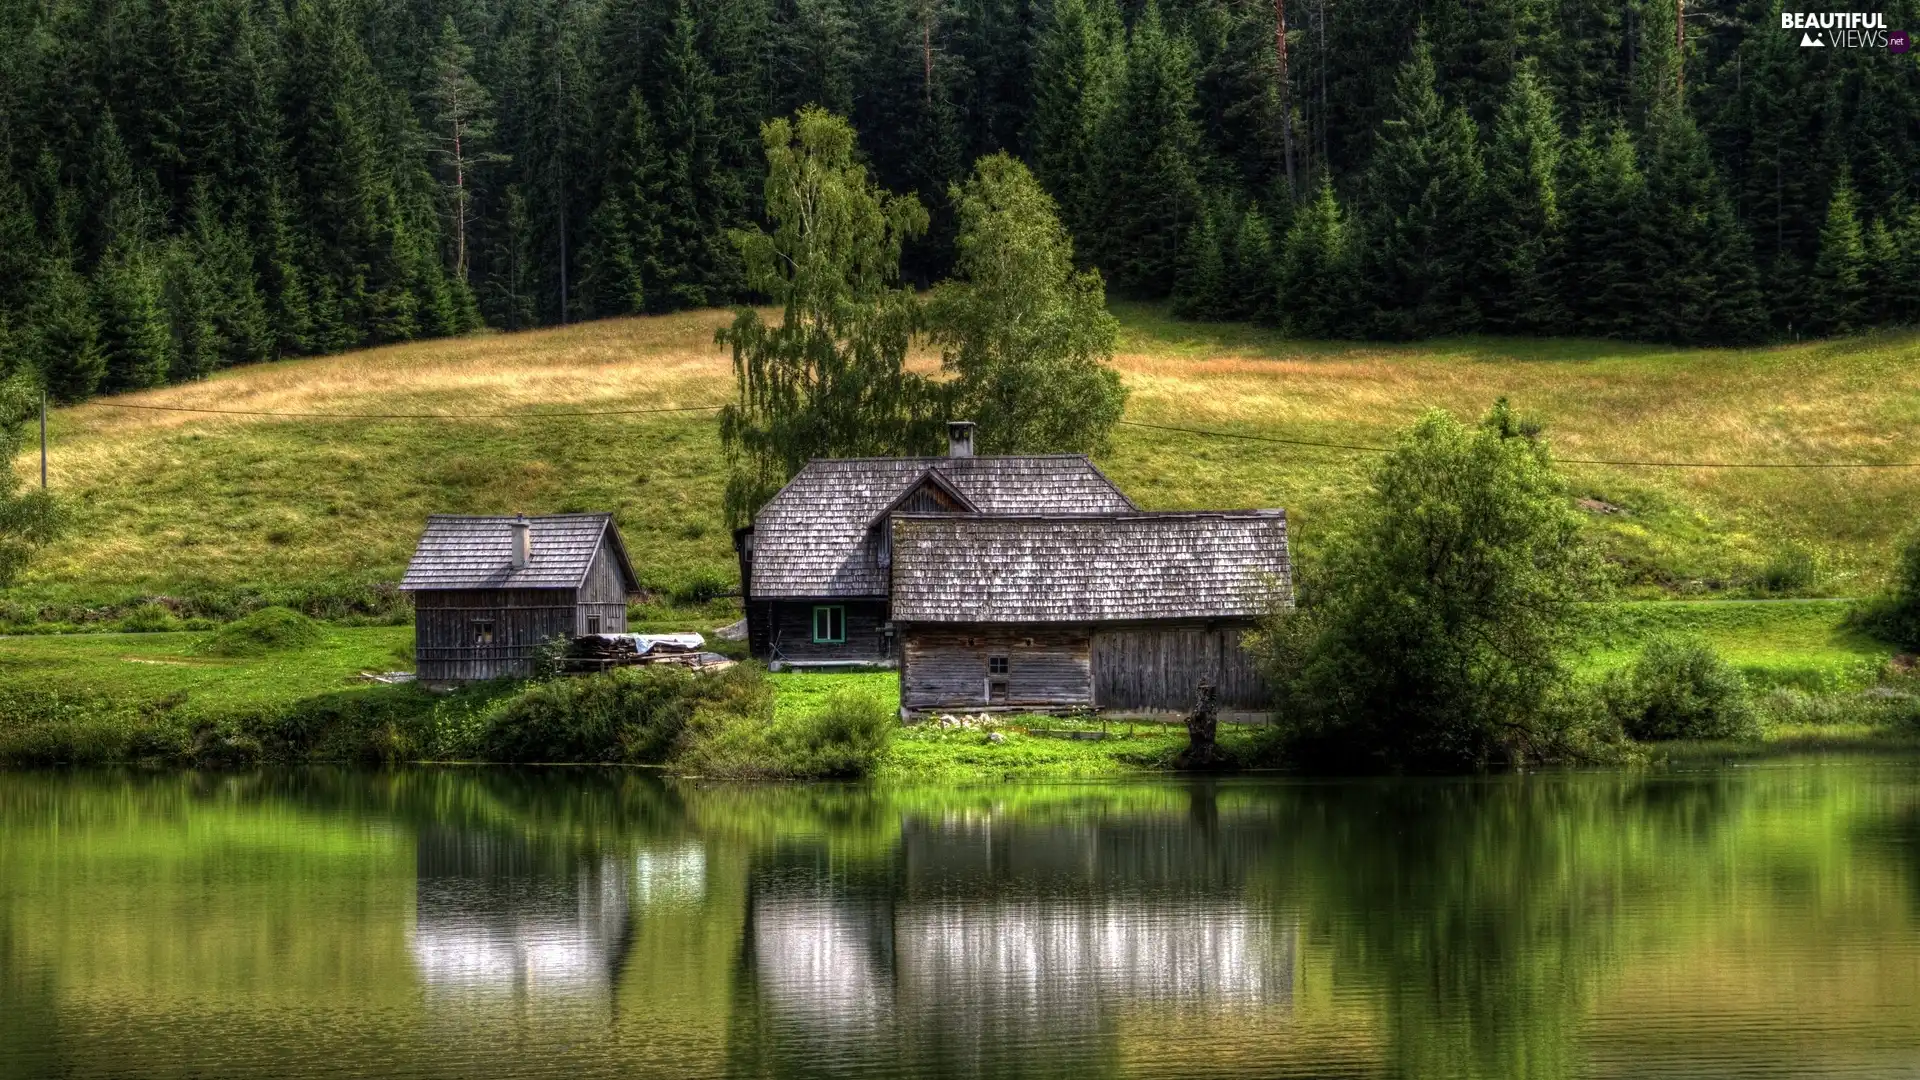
{"type": "Point", "coordinates": [997, 947]}
{"type": "Point", "coordinates": [497, 915]}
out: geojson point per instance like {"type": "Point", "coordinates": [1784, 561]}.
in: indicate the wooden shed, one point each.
{"type": "Point", "coordinates": [488, 591]}
{"type": "Point", "coordinates": [1123, 612]}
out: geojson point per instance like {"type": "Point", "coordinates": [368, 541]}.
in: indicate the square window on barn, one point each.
{"type": "Point", "coordinates": [996, 665]}
{"type": "Point", "coordinates": [593, 624]}
{"type": "Point", "coordinates": [829, 625]}
{"type": "Point", "coordinates": [483, 631]}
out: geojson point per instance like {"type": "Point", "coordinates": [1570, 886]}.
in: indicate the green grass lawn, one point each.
{"type": "Point", "coordinates": [1797, 643]}
{"type": "Point", "coordinates": [216, 514]}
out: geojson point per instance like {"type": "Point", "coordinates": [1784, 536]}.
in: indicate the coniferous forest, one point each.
{"type": "Point", "coordinates": [190, 184]}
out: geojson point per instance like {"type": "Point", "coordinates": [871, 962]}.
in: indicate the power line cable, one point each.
{"type": "Point", "coordinates": [1559, 460]}
{"type": "Point", "coordinates": [407, 416]}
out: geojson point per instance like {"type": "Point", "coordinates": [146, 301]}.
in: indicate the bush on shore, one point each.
{"type": "Point", "coordinates": [1895, 616]}
{"type": "Point", "coordinates": [843, 739]}
{"type": "Point", "coordinates": [268, 630]}
{"type": "Point", "coordinates": [1680, 689]}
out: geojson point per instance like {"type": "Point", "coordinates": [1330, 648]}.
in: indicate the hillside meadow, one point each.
{"type": "Point", "coordinates": [213, 513]}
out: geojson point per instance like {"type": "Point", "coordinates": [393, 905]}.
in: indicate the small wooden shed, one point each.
{"type": "Point", "coordinates": [488, 591]}
{"type": "Point", "coordinates": [1123, 612]}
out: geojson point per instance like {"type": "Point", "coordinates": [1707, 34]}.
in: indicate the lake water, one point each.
{"type": "Point", "coordinates": [1760, 921]}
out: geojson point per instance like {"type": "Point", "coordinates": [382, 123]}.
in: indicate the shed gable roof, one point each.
{"type": "Point", "coordinates": [810, 540]}
{"type": "Point", "coordinates": [1076, 569]}
{"type": "Point", "coordinates": [458, 552]}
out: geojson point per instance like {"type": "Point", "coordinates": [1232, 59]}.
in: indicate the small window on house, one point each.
{"type": "Point", "coordinates": [829, 625]}
{"type": "Point", "coordinates": [483, 631]}
{"type": "Point", "coordinates": [593, 624]}
{"type": "Point", "coordinates": [996, 665]}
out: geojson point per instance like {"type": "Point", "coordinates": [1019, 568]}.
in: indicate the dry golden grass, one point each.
{"type": "Point", "coordinates": [168, 502]}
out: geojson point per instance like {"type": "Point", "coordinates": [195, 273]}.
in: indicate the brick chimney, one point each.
{"type": "Point", "coordinates": [959, 438]}
{"type": "Point", "coordinates": [522, 542]}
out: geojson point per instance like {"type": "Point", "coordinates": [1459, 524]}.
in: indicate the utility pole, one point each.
{"type": "Point", "coordinates": [43, 440]}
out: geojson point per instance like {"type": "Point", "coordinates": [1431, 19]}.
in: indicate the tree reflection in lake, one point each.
{"type": "Point", "coordinates": [581, 923]}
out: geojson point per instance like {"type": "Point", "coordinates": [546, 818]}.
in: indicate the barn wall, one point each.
{"type": "Point", "coordinates": [1161, 667]}
{"type": "Point", "coordinates": [603, 594]}
{"type": "Point", "coordinates": [945, 667]}
{"type": "Point", "coordinates": [788, 631]}
{"type": "Point", "coordinates": [522, 618]}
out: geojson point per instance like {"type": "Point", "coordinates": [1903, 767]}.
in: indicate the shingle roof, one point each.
{"type": "Point", "coordinates": [1089, 569]}
{"type": "Point", "coordinates": [477, 553]}
{"type": "Point", "coordinates": [810, 540]}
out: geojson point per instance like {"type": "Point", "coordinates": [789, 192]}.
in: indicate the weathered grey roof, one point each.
{"type": "Point", "coordinates": [477, 553]}
{"type": "Point", "coordinates": [811, 540]}
{"type": "Point", "coordinates": [1089, 569]}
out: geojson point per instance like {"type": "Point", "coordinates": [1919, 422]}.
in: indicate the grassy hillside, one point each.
{"type": "Point", "coordinates": [219, 509]}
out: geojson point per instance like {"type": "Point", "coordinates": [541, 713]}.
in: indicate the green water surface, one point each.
{"type": "Point", "coordinates": [1760, 921]}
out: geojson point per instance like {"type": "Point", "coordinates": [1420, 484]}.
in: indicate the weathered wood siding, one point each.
{"type": "Point", "coordinates": [603, 594]}
{"type": "Point", "coordinates": [946, 667]}
{"type": "Point", "coordinates": [1161, 667]}
{"type": "Point", "coordinates": [787, 626]}
{"type": "Point", "coordinates": [443, 632]}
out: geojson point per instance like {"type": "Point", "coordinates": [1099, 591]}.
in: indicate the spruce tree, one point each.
{"type": "Point", "coordinates": [1423, 191]}
{"type": "Point", "coordinates": [1319, 271]}
{"type": "Point", "coordinates": [621, 266]}
{"type": "Point", "coordinates": [62, 333]}
{"type": "Point", "coordinates": [1201, 290]}
{"type": "Point", "coordinates": [1838, 287]}
{"type": "Point", "coordinates": [1522, 214]}
{"type": "Point", "coordinates": [135, 340]}
{"type": "Point", "coordinates": [1150, 182]}
{"type": "Point", "coordinates": [1607, 253]}
{"type": "Point", "coordinates": [1251, 267]}
{"type": "Point", "coordinates": [462, 136]}
{"type": "Point", "coordinates": [1079, 62]}
{"type": "Point", "coordinates": [1702, 287]}
{"type": "Point", "coordinates": [1882, 274]}
{"type": "Point", "coordinates": [700, 195]}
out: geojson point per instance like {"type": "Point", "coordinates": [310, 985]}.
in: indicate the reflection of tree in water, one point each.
{"type": "Point", "coordinates": [1002, 945]}
{"type": "Point", "coordinates": [1483, 914]}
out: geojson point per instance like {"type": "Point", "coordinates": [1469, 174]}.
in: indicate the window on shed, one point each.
{"type": "Point", "coordinates": [593, 624]}
{"type": "Point", "coordinates": [829, 625]}
{"type": "Point", "coordinates": [483, 631]}
{"type": "Point", "coordinates": [996, 665]}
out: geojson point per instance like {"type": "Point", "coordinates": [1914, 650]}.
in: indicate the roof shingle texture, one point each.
{"type": "Point", "coordinates": [1087, 569]}
{"type": "Point", "coordinates": [810, 540]}
{"type": "Point", "coordinates": [477, 553]}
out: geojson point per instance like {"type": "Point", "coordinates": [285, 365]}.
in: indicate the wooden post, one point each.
{"type": "Point", "coordinates": [43, 440]}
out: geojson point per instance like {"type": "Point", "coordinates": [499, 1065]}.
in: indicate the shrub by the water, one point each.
{"type": "Point", "coordinates": [268, 630]}
{"type": "Point", "coordinates": [843, 739]}
{"type": "Point", "coordinates": [1436, 637]}
{"type": "Point", "coordinates": [626, 715]}
{"type": "Point", "coordinates": [1895, 616]}
{"type": "Point", "coordinates": [1680, 690]}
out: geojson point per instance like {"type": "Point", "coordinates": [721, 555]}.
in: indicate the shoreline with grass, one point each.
{"type": "Point", "coordinates": [279, 689]}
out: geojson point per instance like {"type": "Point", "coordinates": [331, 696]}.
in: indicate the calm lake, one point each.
{"type": "Point", "coordinates": [1757, 921]}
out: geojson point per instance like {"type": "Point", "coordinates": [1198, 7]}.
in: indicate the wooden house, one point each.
{"type": "Point", "coordinates": [1124, 612]}
{"type": "Point", "coordinates": [814, 566]}
{"type": "Point", "coordinates": [488, 591]}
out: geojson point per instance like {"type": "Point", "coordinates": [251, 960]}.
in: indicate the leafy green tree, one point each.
{"type": "Point", "coordinates": [831, 379]}
{"type": "Point", "coordinates": [1150, 186]}
{"type": "Point", "coordinates": [1522, 231]}
{"type": "Point", "coordinates": [1840, 272]}
{"type": "Point", "coordinates": [1423, 192]}
{"type": "Point", "coordinates": [1319, 271]}
{"type": "Point", "coordinates": [1026, 338]}
{"type": "Point", "coordinates": [1437, 635]}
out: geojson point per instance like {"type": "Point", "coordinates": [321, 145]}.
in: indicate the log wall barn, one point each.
{"type": "Point", "coordinates": [1122, 612]}
{"type": "Point", "coordinates": [489, 591]}
{"type": "Point", "coordinates": [952, 667]}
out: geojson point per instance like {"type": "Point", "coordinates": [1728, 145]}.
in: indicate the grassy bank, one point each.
{"type": "Point", "coordinates": [162, 696]}
{"type": "Point", "coordinates": [213, 515]}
